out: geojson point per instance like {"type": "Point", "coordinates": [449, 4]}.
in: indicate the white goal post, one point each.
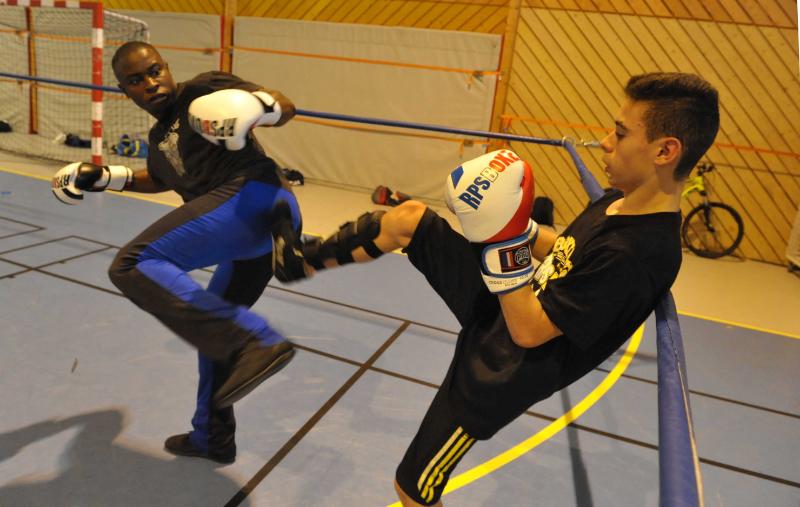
{"type": "Point", "coordinates": [56, 85]}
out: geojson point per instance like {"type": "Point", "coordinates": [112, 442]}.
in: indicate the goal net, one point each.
{"type": "Point", "coordinates": [51, 55]}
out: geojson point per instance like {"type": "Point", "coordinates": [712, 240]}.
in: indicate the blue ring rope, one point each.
{"type": "Point", "coordinates": [62, 82]}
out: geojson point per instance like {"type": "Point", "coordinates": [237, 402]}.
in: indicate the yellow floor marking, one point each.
{"type": "Point", "coordinates": [21, 173]}
{"type": "Point", "coordinates": [551, 429]}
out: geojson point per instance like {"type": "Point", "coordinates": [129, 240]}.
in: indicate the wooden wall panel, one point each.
{"type": "Point", "coordinates": [570, 67]}
{"type": "Point", "coordinates": [484, 16]}
{"type": "Point", "coordinates": [742, 117]}
{"type": "Point", "coordinates": [778, 13]}
{"type": "Point", "coordinates": [424, 13]}
{"type": "Point", "coordinates": [194, 6]}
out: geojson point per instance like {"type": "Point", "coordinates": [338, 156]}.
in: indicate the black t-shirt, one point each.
{"type": "Point", "coordinates": [602, 279]}
{"type": "Point", "coordinates": [604, 276]}
{"type": "Point", "coordinates": [186, 162]}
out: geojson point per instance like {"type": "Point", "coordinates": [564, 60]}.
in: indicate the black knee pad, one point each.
{"type": "Point", "coordinates": [360, 233]}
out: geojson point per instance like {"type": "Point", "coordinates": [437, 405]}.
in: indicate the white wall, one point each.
{"type": "Point", "coordinates": [187, 31]}
{"type": "Point", "coordinates": [364, 159]}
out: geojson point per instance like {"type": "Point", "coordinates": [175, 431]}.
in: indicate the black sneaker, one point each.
{"type": "Point", "coordinates": [181, 445]}
{"type": "Point", "coordinates": [252, 365]}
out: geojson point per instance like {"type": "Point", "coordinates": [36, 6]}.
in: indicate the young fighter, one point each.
{"type": "Point", "coordinates": [526, 335]}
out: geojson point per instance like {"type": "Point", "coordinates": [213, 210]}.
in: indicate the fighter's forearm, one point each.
{"type": "Point", "coordinates": [143, 183]}
{"type": "Point", "coordinates": [527, 321]}
{"type": "Point", "coordinates": [287, 106]}
{"type": "Point", "coordinates": [545, 239]}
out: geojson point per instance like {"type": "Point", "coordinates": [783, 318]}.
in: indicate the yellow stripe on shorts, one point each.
{"type": "Point", "coordinates": [458, 443]}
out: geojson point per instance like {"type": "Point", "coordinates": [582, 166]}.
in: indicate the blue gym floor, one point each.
{"type": "Point", "coordinates": [90, 386]}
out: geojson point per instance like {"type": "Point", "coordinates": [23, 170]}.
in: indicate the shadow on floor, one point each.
{"type": "Point", "coordinates": [94, 470]}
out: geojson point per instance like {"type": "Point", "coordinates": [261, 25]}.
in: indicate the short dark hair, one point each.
{"type": "Point", "coordinates": [128, 48]}
{"type": "Point", "coordinates": [680, 105]}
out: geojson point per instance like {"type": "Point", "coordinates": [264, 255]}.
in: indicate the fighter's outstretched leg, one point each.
{"type": "Point", "coordinates": [367, 238]}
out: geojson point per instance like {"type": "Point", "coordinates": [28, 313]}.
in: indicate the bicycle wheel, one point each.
{"type": "Point", "coordinates": [712, 230]}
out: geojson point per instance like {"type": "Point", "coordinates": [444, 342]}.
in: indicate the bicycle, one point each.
{"type": "Point", "coordinates": [711, 229]}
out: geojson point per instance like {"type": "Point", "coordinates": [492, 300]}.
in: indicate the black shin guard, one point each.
{"type": "Point", "coordinates": [360, 233]}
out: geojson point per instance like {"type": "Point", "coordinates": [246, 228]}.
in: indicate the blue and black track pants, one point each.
{"type": "Point", "coordinates": [228, 227]}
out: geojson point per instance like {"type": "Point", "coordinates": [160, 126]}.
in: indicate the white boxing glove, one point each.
{"type": "Point", "coordinates": [69, 182]}
{"type": "Point", "coordinates": [492, 196]}
{"type": "Point", "coordinates": [229, 115]}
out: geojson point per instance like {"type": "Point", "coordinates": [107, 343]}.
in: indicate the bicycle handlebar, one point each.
{"type": "Point", "coordinates": [705, 168]}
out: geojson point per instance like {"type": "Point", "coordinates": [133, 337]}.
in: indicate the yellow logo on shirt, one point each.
{"type": "Point", "coordinates": [555, 265]}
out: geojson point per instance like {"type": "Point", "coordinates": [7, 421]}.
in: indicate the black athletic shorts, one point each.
{"type": "Point", "coordinates": [438, 446]}
{"type": "Point", "coordinates": [451, 267]}
{"type": "Point", "coordinates": [491, 380]}
{"type": "Point", "coordinates": [447, 260]}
